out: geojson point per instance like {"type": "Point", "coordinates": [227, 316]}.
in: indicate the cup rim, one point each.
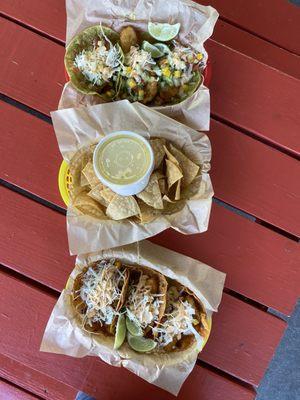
{"type": "Point", "coordinates": [118, 133]}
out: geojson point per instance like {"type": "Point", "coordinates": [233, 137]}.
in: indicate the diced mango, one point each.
{"type": "Point", "coordinates": [131, 83]}
{"type": "Point", "coordinates": [199, 56]}
{"type": "Point", "coordinates": [166, 72]}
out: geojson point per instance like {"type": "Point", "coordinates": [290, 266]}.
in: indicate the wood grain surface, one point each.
{"type": "Point", "coordinates": [25, 311]}
{"type": "Point", "coordinates": [254, 97]}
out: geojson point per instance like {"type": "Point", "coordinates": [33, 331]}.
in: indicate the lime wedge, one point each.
{"type": "Point", "coordinates": [120, 332]}
{"type": "Point", "coordinates": [163, 48]}
{"type": "Point", "coordinates": [153, 50]}
{"type": "Point", "coordinates": [163, 32]}
{"type": "Point", "coordinates": [140, 344]}
{"type": "Point", "coordinates": [133, 328]}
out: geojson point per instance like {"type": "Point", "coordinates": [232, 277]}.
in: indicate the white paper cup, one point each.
{"type": "Point", "coordinates": [129, 188]}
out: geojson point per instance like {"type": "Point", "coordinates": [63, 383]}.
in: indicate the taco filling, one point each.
{"type": "Point", "coordinates": [99, 64]}
{"type": "Point", "coordinates": [99, 293]}
{"type": "Point", "coordinates": [182, 322]}
{"type": "Point", "coordinates": [123, 66]}
{"type": "Point", "coordinates": [138, 305]}
{"type": "Point", "coordinates": [144, 300]}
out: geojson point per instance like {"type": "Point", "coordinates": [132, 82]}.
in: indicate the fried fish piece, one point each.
{"type": "Point", "coordinates": [128, 38]}
{"type": "Point", "coordinates": [151, 89]}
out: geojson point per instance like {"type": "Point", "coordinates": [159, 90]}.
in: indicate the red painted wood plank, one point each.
{"type": "Point", "coordinates": [256, 48]}
{"type": "Point", "coordinates": [26, 311]}
{"type": "Point", "coordinates": [239, 247]}
{"type": "Point", "coordinates": [197, 386]}
{"type": "Point", "coordinates": [36, 166]}
{"type": "Point", "coordinates": [31, 70]}
{"type": "Point", "coordinates": [274, 20]}
{"type": "Point", "coordinates": [8, 391]}
{"type": "Point", "coordinates": [49, 18]}
{"type": "Point", "coordinates": [265, 184]}
{"type": "Point", "coordinates": [255, 97]}
{"type": "Point", "coordinates": [244, 91]}
{"type": "Point", "coordinates": [40, 234]}
{"type": "Point", "coordinates": [34, 380]}
{"type": "Point", "coordinates": [256, 178]}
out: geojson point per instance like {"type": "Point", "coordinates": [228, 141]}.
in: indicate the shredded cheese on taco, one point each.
{"type": "Point", "coordinates": [101, 290]}
{"type": "Point", "coordinates": [178, 320]}
{"type": "Point", "coordinates": [98, 64]}
{"type": "Point", "coordinates": [142, 305]}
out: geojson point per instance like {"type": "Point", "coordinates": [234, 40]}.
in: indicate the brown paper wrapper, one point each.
{"type": "Point", "coordinates": [197, 24]}
{"type": "Point", "coordinates": [79, 127]}
{"type": "Point", "coordinates": [63, 334]}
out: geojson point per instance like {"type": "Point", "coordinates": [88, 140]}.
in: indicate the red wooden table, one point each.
{"type": "Point", "coordinates": [255, 170]}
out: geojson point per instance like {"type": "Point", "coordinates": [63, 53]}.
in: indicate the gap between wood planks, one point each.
{"type": "Point", "coordinates": [61, 210]}
{"type": "Point", "coordinates": [20, 390]}
{"type": "Point", "coordinates": [55, 294]}
{"type": "Point", "coordinates": [32, 29]}
{"type": "Point", "coordinates": [226, 375]}
{"type": "Point", "coordinates": [215, 117]}
{"type": "Point", "coordinates": [247, 132]}
{"type": "Point", "coordinates": [221, 18]}
{"type": "Point", "coordinates": [236, 25]}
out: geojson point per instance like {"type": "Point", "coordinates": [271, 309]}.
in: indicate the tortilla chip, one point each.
{"type": "Point", "coordinates": [159, 174]}
{"type": "Point", "coordinates": [88, 206]}
{"type": "Point", "coordinates": [147, 214]}
{"type": "Point", "coordinates": [173, 173]}
{"type": "Point", "coordinates": [188, 167]}
{"type": "Point", "coordinates": [167, 198]}
{"type": "Point", "coordinates": [107, 195]}
{"type": "Point", "coordinates": [158, 150]}
{"type": "Point", "coordinates": [83, 180]}
{"type": "Point", "coordinates": [122, 207]}
{"type": "Point", "coordinates": [171, 157]}
{"type": "Point", "coordinates": [95, 193]}
{"type": "Point", "coordinates": [90, 175]}
{"type": "Point", "coordinates": [162, 185]}
{"type": "Point", "coordinates": [151, 195]}
{"type": "Point", "coordinates": [76, 165]}
{"type": "Point", "coordinates": [178, 190]}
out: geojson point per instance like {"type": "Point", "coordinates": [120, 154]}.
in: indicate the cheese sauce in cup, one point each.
{"type": "Point", "coordinates": [124, 161]}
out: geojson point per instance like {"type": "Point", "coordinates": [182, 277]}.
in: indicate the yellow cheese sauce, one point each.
{"type": "Point", "coordinates": [123, 159]}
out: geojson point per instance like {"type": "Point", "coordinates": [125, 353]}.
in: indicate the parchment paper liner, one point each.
{"type": "Point", "coordinates": [63, 335]}
{"type": "Point", "coordinates": [79, 127]}
{"type": "Point", "coordinates": [197, 24]}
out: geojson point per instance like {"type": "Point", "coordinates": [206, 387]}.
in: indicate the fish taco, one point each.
{"type": "Point", "coordinates": [146, 297]}
{"type": "Point", "coordinates": [139, 308]}
{"type": "Point", "coordinates": [92, 59]}
{"type": "Point", "coordinates": [149, 67]}
{"type": "Point", "coordinates": [98, 294]}
{"type": "Point", "coordinates": [184, 323]}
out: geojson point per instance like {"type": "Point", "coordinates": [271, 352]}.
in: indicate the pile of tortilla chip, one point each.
{"type": "Point", "coordinates": [168, 188]}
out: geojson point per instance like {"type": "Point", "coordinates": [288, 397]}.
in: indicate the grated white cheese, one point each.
{"type": "Point", "coordinates": [138, 65]}
{"type": "Point", "coordinates": [101, 290]}
{"type": "Point", "coordinates": [179, 320]}
{"type": "Point", "coordinates": [99, 64]}
{"type": "Point", "coordinates": [143, 306]}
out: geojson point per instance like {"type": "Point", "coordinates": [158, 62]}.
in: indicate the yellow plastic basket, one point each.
{"type": "Point", "coordinates": [64, 181]}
